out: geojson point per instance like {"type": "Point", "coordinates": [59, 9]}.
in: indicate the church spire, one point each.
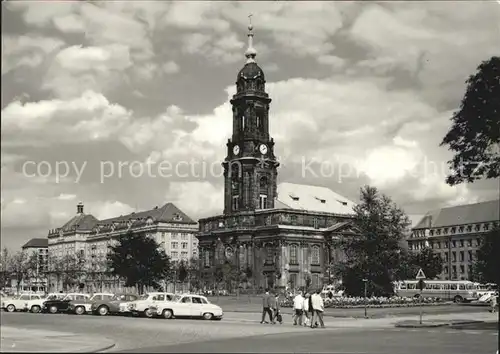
{"type": "Point", "coordinates": [250, 53]}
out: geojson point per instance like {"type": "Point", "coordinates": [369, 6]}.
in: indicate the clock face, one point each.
{"type": "Point", "coordinates": [263, 149]}
{"type": "Point", "coordinates": [236, 150]}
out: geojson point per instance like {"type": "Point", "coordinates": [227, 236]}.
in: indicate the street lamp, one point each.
{"type": "Point", "coordinates": [366, 301]}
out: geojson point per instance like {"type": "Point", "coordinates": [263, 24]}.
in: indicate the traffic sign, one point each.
{"type": "Point", "coordinates": [420, 274]}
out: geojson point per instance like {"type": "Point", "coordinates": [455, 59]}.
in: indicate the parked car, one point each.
{"type": "Point", "coordinates": [19, 302]}
{"type": "Point", "coordinates": [118, 304]}
{"type": "Point", "coordinates": [62, 305]}
{"type": "Point", "coordinates": [488, 296]}
{"type": "Point", "coordinates": [142, 304]}
{"type": "Point", "coordinates": [188, 305]}
{"type": "Point", "coordinates": [81, 307]}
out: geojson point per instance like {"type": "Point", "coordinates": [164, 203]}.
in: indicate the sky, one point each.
{"type": "Point", "coordinates": [125, 105]}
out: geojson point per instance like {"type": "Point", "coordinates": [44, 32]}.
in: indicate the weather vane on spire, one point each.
{"type": "Point", "coordinates": [251, 53]}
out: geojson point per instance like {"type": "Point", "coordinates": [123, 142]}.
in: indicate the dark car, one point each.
{"type": "Point", "coordinates": [116, 305]}
{"type": "Point", "coordinates": [62, 305]}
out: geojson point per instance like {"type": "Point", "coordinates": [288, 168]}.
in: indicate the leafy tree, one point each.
{"type": "Point", "coordinates": [182, 271]}
{"type": "Point", "coordinates": [376, 253]}
{"type": "Point", "coordinates": [474, 136]}
{"type": "Point", "coordinates": [139, 261]}
{"type": "Point", "coordinates": [430, 262]}
{"type": "Point", "coordinates": [194, 273]}
{"type": "Point", "coordinates": [487, 262]}
{"type": "Point", "coordinates": [5, 276]}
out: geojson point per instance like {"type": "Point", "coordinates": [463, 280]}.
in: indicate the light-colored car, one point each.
{"type": "Point", "coordinates": [188, 305]}
{"type": "Point", "coordinates": [487, 296]}
{"type": "Point", "coordinates": [19, 302]}
{"type": "Point", "coordinates": [142, 305]}
{"type": "Point", "coordinates": [83, 306]}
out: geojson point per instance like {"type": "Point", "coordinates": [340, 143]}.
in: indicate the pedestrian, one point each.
{"type": "Point", "coordinates": [305, 311]}
{"type": "Point", "coordinates": [272, 305]}
{"type": "Point", "coordinates": [276, 309]}
{"type": "Point", "coordinates": [494, 303]}
{"type": "Point", "coordinates": [266, 307]}
{"type": "Point", "coordinates": [318, 308]}
{"type": "Point", "coordinates": [298, 309]}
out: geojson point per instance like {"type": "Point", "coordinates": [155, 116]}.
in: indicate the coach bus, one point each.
{"type": "Point", "coordinates": [456, 290]}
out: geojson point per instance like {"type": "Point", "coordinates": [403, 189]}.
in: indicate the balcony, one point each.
{"type": "Point", "coordinates": [267, 218]}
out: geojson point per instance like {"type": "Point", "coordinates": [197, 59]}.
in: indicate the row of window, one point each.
{"type": "Point", "coordinates": [460, 229]}
{"type": "Point", "coordinates": [175, 255]}
{"type": "Point", "coordinates": [446, 244]}
{"type": "Point", "coordinates": [454, 269]}
{"type": "Point", "coordinates": [293, 254]}
{"type": "Point", "coordinates": [184, 245]}
{"type": "Point", "coordinates": [262, 202]}
{"type": "Point", "coordinates": [461, 256]}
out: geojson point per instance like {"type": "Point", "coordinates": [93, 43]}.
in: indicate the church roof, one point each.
{"type": "Point", "coordinates": [36, 243]}
{"type": "Point", "coordinates": [461, 214]}
{"type": "Point", "coordinates": [251, 70]}
{"type": "Point", "coordinates": [313, 198]}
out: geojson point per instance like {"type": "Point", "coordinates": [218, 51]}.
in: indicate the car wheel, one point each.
{"type": "Point", "coordinates": [458, 299]}
{"type": "Point", "coordinates": [168, 314]}
{"type": "Point", "coordinates": [80, 310]}
{"type": "Point", "coordinates": [103, 310]}
{"type": "Point", "coordinates": [36, 309]}
{"type": "Point", "coordinates": [207, 316]}
{"type": "Point", "coordinates": [53, 309]}
{"type": "Point", "coordinates": [147, 313]}
{"type": "Point", "coordinates": [11, 308]}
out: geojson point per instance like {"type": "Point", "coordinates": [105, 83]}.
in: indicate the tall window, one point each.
{"type": "Point", "coordinates": [293, 280]}
{"type": "Point", "coordinates": [236, 199]}
{"type": "Point", "coordinates": [243, 121]}
{"type": "Point", "coordinates": [184, 245]}
{"type": "Point", "coordinates": [206, 258]}
{"type": "Point", "coordinates": [316, 223]}
{"type": "Point", "coordinates": [269, 255]}
{"type": "Point", "coordinates": [174, 244]}
{"type": "Point", "coordinates": [315, 255]}
{"type": "Point", "coordinates": [263, 201]}
{"type": "Point", "coordinates": [293, 255]}
{"type": "Point", "coordinates": [258, 121]}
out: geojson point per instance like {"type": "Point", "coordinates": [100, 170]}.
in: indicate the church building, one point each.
{"type": "Point", "coordinates": [285, 234]}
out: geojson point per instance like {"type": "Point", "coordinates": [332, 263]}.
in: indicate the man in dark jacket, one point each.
{"type": "Point", "coordinates": [266, 307]}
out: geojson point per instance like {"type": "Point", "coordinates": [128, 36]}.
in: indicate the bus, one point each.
{"type": "Point", "coordinates": [456, 290]}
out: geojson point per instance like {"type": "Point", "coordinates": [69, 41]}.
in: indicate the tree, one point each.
{"type": "Point", "coordinates": [487, 262]}
{"type": "Point", "coordinates": [474, 136]}
{"type": "Point", "coordinates": [430, 263]}
{"type": "Point", "coordinates": [5, 276]}
{"type": "Point", "coordinates": [139, 261]}
{"type": "Point", "coordinates": [19, 268]}
{"type": "Point", "coordinates": [375, 254]}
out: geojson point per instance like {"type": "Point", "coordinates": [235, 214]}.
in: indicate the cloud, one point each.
{"type": "Point", "coordinates": [209, 199]}
{"type": "Point", "coordinates": [26, 51]}
{"type": "Point", "coordinates": [77, 69]}
{"type": "Point", "coordinates": [63, 196]}
{"type": "Point", "coordinates": [170, 67]}
{"type": "Point", "coordinates": [106, 210]}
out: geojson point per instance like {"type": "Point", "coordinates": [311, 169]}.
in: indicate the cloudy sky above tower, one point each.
{"type": "Point", "coordinates": [362, 94]}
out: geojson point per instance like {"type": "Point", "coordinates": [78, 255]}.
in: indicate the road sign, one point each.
{"type": "Point", "coordinates": [420, 274]}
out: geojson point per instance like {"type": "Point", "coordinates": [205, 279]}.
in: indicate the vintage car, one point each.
{"type": "Point", "coordinates": [62, 305]}
{"type": "Point", "coordinates": [141, 306]}
{"type": "Point", "coordinates": [81, 307]}
{"type": "Point", "coordinates": [20, 302]}
{"type": "Point", "coordinates": [188, 305]}
{"type": "Point", "coordinates": [118, 304]}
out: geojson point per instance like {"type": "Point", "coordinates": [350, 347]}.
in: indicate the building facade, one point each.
{"type": "Point", "coordinates": [455, 234]}
{"type": "Point", "coordinates": [284, 234]}
{"type": "Point", "coordinates": [36, 254]}
{"type": "Point", "coordinates": [88, 238]}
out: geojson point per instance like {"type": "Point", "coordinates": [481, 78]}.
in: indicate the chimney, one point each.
{"type": "Point", "coordinates": [79, 208]}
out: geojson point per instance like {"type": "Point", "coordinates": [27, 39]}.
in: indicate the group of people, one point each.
{"type": "Point", "coordinates": [307, 310]}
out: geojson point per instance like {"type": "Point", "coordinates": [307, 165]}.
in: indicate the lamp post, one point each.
{"type": "Point", "coordinates": [366, 301]}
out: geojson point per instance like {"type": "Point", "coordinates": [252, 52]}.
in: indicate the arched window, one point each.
{"type": "Point", "coordinates": [263, 186]}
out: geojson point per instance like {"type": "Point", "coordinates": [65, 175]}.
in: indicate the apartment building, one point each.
{"type": "Point", "coordinates": [456, 233]}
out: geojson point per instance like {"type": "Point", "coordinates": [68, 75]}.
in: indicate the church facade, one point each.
{"type": "Point", "coordinates": [284, 234]}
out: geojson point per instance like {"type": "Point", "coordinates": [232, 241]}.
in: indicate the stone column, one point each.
{"type": "Point", "coordinates": [283, 265]}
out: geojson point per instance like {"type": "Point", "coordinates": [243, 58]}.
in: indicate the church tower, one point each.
{"type": "Point", "coordinates": [250, 167]}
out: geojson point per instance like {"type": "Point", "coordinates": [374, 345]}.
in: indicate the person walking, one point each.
{"type": "Point", "coordinates": [276, 309]}
{"type": "Point", "coordinates": [266, 307]}
{"type": "Point", "coordinates": [494, 303]}
{"type": "Point", "coordinates": [318, 308]}
{"type": "Point", "coordinates": [298, 309]}
{"type": "Point", "coordinates": [305, 310]}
